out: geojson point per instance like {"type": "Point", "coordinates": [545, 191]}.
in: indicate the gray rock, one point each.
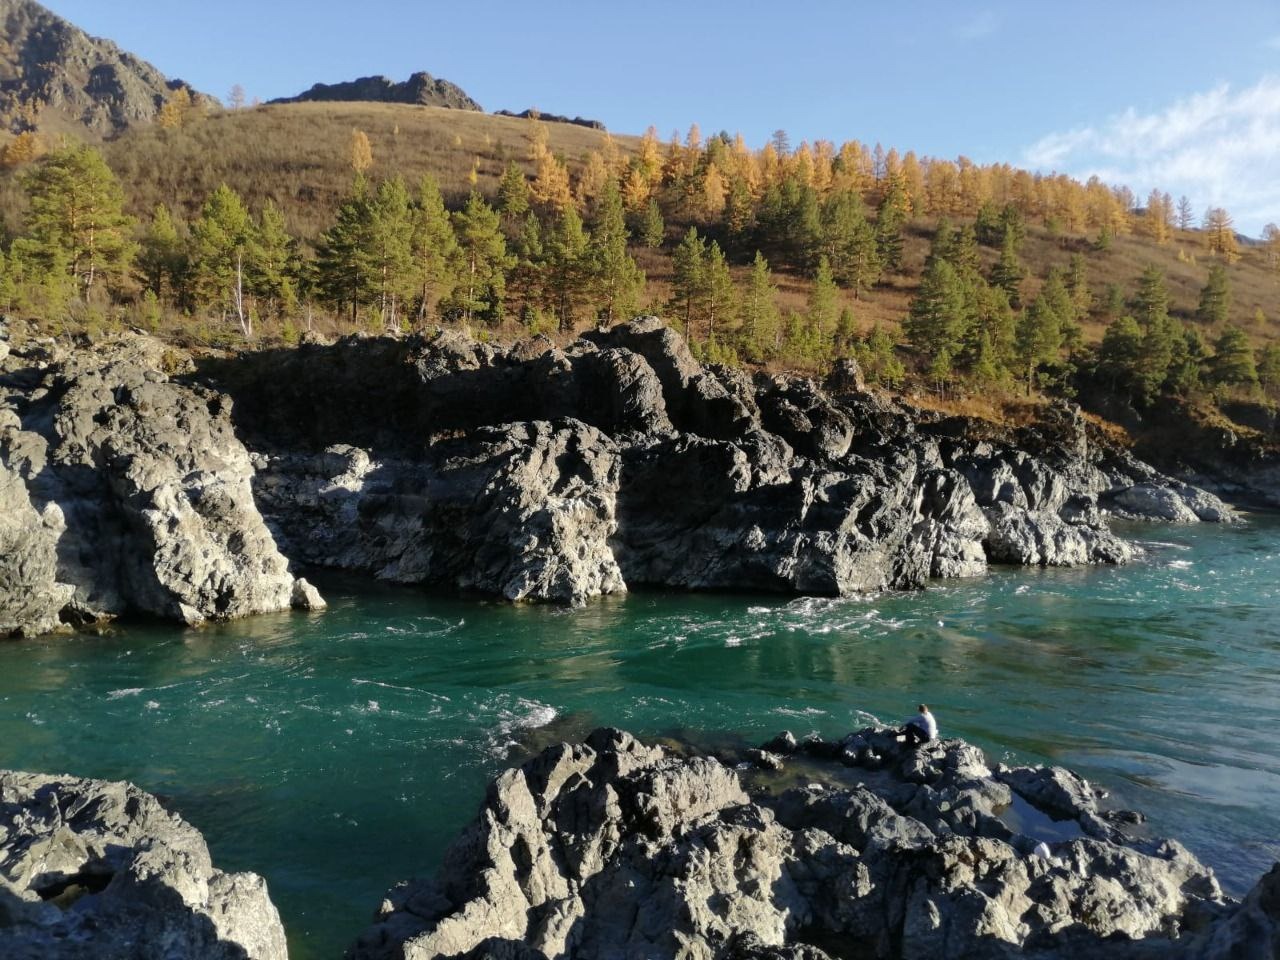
{"type": "Point", "coordinates": [90, 869]}
{"type": "Point", "coordinates": [611, 849]}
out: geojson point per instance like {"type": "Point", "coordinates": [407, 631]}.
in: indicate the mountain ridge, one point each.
{"type": "Point", "coordinates": [56, 78]}
{"type": "Point", "coordinates": [420, 89]}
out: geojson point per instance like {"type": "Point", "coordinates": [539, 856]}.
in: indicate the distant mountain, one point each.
{"type": "Point", "coordinates": [421, 88]}
{"type": "Point", "coordinates": [532, 114]}
{"type": "Point", "coordinates": [56, 78]}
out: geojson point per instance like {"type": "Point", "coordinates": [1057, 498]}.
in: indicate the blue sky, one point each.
{"type": "Point", "coordinates": [1180, 95]}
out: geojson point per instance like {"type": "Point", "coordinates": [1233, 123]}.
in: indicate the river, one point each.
{"type": "Point", "coordinates": [340, 752]}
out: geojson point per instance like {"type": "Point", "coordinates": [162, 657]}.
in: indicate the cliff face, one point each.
{"type": "Point", "coordinates": [138, 481]}
{"type": "Point", "coordinates": [55, 76]}
{"type": "Point", "coordinates": [421, 89]}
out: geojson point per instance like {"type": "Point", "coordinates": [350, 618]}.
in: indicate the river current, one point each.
{"type": "Point", "coordinates": [338, 753]}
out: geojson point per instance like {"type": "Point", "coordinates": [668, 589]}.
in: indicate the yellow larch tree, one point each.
{"type": "Point", "coordinates": [361, 152]}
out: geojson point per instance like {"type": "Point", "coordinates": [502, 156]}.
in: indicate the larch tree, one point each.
{"type": "Point", "coordinates": [1185, 215]}
{"type": "Point", "coordinates": [361, 153]}
{"type": "Point", "coordinates": [1220, 234]}
{"type": "Point", "coordinates": [75, 220]}
{"type": "Point", "coordinates": [176, 111]}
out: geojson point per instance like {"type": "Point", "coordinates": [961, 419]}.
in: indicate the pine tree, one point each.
{"type": "Point", "coordinates": [1215, 297]}
{"type": "Point", "coordinates": [161, 261]}
{"type": "Point", "coordinates": [567, 269]}
{"type": "Point", "coordinates": [272, 276]}
{"type": "Point", "coordinates": [616, 280]}
{"type": "Point", "coordinates": [761, 321]}
{"type": "Point", "coordinates": [717, 293]}
{"type": "Point", "coordinates": [1120, 352]}
{"type": "Point", "coordinates": [1007, 272]}
{"type": "Point", "coordinates": [513, 200]}
{"type": "Point", "coordinates": [224, 244]}
{"type": "Point", "coordinates": [1233, 361]}
{"type": "Point", "coordinates": [76, 220]}
{"type": "Point", "coordinates": [849, 242]}
{"type": "Point", "coordinates": [1151, 305]}
{"type": "Point", "coordinates": [739, 216]}
{"type": "Point", "coordinates": [937, 317]}
{"type": "Point", "coordinates": [482, 254]}
{"type": "Point", "coordinates": [1269, 368]}
{"type": "Point", "coordinates": [344, 274]}
{"type": "Point", "coordinates": [434, 247]}
{"type": "Point", "coordinates": [823, 310]}
{"type": "Point", "coordinates": [890, 216]}
{"type": "Point", "coordinates": [391, 250]}
{"type": "Point", "coordinates": [879, 360]}
{"type": "Point", "coordinates": [1038, 339]}
{"type": "Point", "coordinates": [652, 230]}
{"type": "Point", "coordinates": [687, 282]}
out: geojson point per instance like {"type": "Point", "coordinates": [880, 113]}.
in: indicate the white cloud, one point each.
{"type": "Point", "coordinates": [983, 24]}
{"type": "Point", "coordinates": [1220, 148]}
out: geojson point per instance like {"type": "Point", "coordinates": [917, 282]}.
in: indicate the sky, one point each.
{"type": "Point", "coordinates": [1183, 96]}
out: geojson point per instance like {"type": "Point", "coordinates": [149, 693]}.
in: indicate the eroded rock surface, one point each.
{"type": "Point", "coordinates": [126, 491]}
{"type": "Point", "coordinates": [91, 869]}
{"type": "Point", "coordinates": [611, 848]}
{"type": "Point", "coordinates": [136, 480]}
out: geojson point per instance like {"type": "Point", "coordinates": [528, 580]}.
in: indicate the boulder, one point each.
{"type": "Point", "coordinates": [90, 868]}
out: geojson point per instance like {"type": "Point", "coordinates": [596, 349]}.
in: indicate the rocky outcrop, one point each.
{"type": "Point", "coordinates": [139, 481]}
{"type": "Point", "coordinates": [92, 869]}
{"type": "Point", "coordinates": [421, 89]}
{"type": "Point", "coordinates": [532, 114]}
{"type": "Point", "coordinates": [56, 78]}
{"type": "Point", "coordinates": [126, 492]}
{"type": "Point", "coordinates": [613, 848]}
{"type": "Point", "coordinates": [674, 473]}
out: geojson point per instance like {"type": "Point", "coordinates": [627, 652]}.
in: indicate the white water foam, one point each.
{"type": "Point", "coordinates": [123, 692]}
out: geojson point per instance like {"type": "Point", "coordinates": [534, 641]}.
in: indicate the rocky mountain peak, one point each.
{"type": "Point", "coordinates": [55, 77]}
{"type": "Point", "coordinates": [421, 89]}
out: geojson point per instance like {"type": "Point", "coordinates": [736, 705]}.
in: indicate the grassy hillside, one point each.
{"type": "Point", "coordinates": [299, 155]}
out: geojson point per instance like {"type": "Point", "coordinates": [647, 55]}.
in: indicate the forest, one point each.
{"type": "Point", "coordinates": [786, 257]}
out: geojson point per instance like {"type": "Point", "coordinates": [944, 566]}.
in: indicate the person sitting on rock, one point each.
{"type": "Point", "coordinates": [921, 728]}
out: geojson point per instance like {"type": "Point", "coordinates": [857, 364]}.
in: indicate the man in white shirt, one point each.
{"type": "Point", "coordinates": [921, 728]}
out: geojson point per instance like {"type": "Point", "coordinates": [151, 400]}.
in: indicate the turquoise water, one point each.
{"type": "Point", "coordinates": [338, 753]}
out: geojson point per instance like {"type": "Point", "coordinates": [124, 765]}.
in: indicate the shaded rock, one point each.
{"type": "Point", "coordinates": [90, 868]}
{"type": "Point", "coordinates": [421, 89]}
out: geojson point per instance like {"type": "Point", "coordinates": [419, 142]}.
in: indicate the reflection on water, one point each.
{"type": "Point", "coordinates": [338, 753]}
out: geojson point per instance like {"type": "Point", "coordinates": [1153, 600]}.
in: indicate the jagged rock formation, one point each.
{"type": "Point", "coordinates": [94, 869]}
{"type": "Point", "coordinates": [126, 492]}
{"type": "Point", "coordinates": [611, 848]}
{"type": "Point", "coordinates": [55, 76]}
{"type": "Point", "coordinates": [133, 481]}
{"type": "Point", "coordinates": [421, 89]}
{"type": "Point", "coordinates": [532, 114]}
{"type": "Point", "coordinates": [560, 474]}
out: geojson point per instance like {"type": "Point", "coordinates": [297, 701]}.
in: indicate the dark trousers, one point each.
{"type": "Point", "coordinates": [915, 736]}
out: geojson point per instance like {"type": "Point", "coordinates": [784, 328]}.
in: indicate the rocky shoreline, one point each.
{"type": "Point", "coordinates": [860, 848]}
{"type": "Point", "coordinates": [615, 848]}
{"type": "Point", "coordinates": [98, 870]}
{"type": "Point", "coordinates": [136, 479]}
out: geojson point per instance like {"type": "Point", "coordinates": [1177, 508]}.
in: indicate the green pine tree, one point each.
{"type": "Point", "coordinates": [434, 248]}
{"type": "Point", "coordinates": [761, 330]}
{"type": "Point", "coordinates": [482, 260]}
{"type": "Point", "coordinates": [1215, 297]}
{"type": "Point", "coordinates": [937, 316]}
{"type": "Point", "coordinates": [616, 280]}
{"type": "Point", "coordinates": [1233, 360]}
{"type": "Point", "coordinates": [688, 277]}
{"type": "Point", "coordinates": [566, 267]}
{"type": "Point", "coordinates": [225, 249]}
